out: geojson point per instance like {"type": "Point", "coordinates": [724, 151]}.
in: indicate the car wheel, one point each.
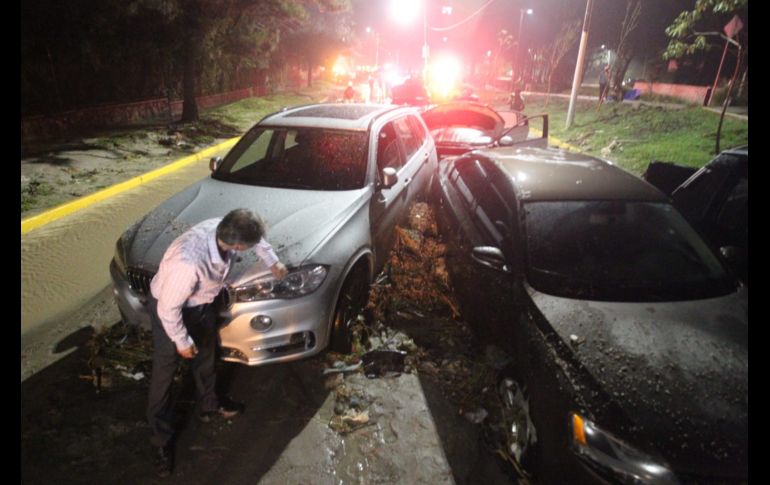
{"type": "Point", "coordinates": [520, 432]}
{"type": "Point", "coordinates": [351, 301]}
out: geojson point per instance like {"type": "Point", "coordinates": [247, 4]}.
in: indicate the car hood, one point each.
{"type": "Point", "coordinates": [457, 122]}
{"type": "Point", "coordinates": [298, 221]}
{"type": "Point", "coordinates": [678, 370]}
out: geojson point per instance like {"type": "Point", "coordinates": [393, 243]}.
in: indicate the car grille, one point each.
{"type": "Point", "coordinates": [139, 280]}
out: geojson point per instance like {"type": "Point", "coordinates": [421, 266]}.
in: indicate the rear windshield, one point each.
{"type": "Point", "coordinates": [619, 251]}
{"type": "Point", "coordinates": [299, 158]}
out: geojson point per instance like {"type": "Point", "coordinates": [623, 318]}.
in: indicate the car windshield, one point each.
{"type": "Point", "coordinates": [298, 158]}
{"type": "Point", "coordinates": [619, 251]}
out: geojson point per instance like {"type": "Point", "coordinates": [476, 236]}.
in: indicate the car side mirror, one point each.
{"type": "Point", "coordinates": [389, 177]}
{"type": "Point", "coordinates": [214, 163]}
{"type": "Point", "coordinates": [490, 257]}
{"type": "Point", "coordinates": [505, 141]}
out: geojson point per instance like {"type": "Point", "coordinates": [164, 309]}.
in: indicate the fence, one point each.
{"type": "Point", "coordinates": [162, 109]}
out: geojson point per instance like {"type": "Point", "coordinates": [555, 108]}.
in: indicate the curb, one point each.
{"type": "Point", "coordinates": [76, 205]}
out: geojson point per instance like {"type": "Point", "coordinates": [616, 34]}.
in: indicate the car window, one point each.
{"type": "Point", "coordinates": [301, 158]}
{"type": "Point", "coordinates": [408, 138]}
{"type": "Point", "coordinates": [483, 188]}
{"type": "Point", "coordinates": [418, 130]}
{"type": "Point", "coordinates": [696, 194]}
{"type": "Point", "coordinates": [388, 151]}
{"type": "Point", "coordinates": [619, 251]}
{"type": "Point", "coordinates": [255, 152]}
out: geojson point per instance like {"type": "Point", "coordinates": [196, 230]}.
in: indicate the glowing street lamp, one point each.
{"type": "Point", "coordinates": [405, 12]}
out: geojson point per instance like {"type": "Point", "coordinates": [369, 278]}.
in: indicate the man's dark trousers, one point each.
{"type": "Point", "coordinates": [201, 324]}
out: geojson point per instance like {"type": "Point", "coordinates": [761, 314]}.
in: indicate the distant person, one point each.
{"type": "Point", "coordinates": [184, 320]}
{"type": "Point", "coordinates": [517, 103]}
{"type": "Point", "coordinates": [604, 81]}
{"type": "Point", "coordinates": [349, 93]}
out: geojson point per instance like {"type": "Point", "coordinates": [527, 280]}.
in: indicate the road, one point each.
{"type": "Point", "coordinates": [65, 265]}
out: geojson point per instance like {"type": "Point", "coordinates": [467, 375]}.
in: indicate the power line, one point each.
{"type": "Point", "coordinates": [444, 29]}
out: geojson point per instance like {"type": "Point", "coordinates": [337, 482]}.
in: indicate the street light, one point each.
{"type": "Point", "coordinates": [404, 11]}
{"type": "Point", "coordinates": [514, 70]}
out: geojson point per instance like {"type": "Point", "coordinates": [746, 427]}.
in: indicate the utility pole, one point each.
{"type": "Point", "coordinates": [580, 62]}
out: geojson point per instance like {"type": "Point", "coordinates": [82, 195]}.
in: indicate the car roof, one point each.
{"type": "Point", "coordinates": [551, 174]}
{"type": "Point", "coordinates": [341, 116]}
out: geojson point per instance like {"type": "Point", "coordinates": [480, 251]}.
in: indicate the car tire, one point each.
{"type": "Point", "coordinates": [349, 305]}
{"type": "Point", "coordinates": [521, 440]}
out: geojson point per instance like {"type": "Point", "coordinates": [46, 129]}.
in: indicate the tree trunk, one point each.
{"type": "Point", "coordinates": [191, 49]}
{"type": "Point", "coordinates": [189, 103]}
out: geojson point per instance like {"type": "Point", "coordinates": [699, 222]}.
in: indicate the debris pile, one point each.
{"type": "Point", "coordinates": [415, 279]}
{"type": "Point", "coordinates": [119, 355]}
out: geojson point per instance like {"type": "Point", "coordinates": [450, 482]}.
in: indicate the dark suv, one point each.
{"type": "Point", "coordinates": [628, 335]}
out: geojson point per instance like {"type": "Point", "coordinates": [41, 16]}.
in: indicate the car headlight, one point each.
{"type": "Point", "coordinates": [610, 456]}
{"type": "Point", "coordinates": [299, 282]}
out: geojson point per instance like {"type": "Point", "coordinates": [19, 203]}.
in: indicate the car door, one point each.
{"type": "Point", "coordinates": [411, 168]}
{"type": "Point", "coordinates": [426, 157]}
{"type": "Point", "coordinates": [482, 217]}
{"type": "Point", "coordinates": [388, 203]}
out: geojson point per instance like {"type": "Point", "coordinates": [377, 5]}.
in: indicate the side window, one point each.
{"type": "Point", "coordinates": [410, 141]}
{"type": "Point", "coordinates": [694, 198]}
{"type": "Point", "coordinates": [486, 188]}
{"type": "Point", "coordinates": [388, 151]}
{"type": "Point", "coordinates": [418, 130]}
{"type": "Point", "coordinates": [256, 152]}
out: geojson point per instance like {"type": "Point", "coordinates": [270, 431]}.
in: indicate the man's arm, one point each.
{"type": "Point", "coordinates": [174, 293]}
{"type": "Point", "coordinates": [265, 252]}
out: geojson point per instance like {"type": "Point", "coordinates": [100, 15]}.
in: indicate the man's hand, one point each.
{"type": "Point", "coordinates": [279, 270]}
{"type": "Point", "coordinates": [188, 353]}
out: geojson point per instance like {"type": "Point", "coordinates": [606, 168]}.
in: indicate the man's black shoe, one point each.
{"type": "Point", "coordinates": [227, 409]}
{"type": "Point", "coordinates": [164, 460]}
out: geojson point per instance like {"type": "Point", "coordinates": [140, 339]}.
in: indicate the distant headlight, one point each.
{"type": "Point", "coordinates": [611, 456]}
{"type": "Point", "coordinates": [120, 255]}
{"type": "Point", "coordinates": [299, 282]}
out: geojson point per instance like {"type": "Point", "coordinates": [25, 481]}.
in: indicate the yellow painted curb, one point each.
{"type": "Point", "coordinates": [555, 141]}
{"type": "Point", "coordinates": [70, 207]}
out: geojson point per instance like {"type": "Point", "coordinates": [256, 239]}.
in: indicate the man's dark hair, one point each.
{"type": "Point", "coordinates": [241, 226]}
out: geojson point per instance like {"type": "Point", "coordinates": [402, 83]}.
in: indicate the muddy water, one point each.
{"type": "Point", "coordinates": [66, 263]}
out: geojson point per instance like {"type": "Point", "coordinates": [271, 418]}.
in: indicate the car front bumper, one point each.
{"type": "Point", "coordinates": [297, 328]}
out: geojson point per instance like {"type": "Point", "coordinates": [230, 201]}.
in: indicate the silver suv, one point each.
{"type": "Point", "coordinates": [331, 181]}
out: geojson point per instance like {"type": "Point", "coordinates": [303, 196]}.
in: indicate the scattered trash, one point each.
{"type": "Point", "coordinates": [137, 376]}
{"type": "Point", "coordinates": [342, 368]}
{"type": "Point", "coordinates": [381, 362]}
{"type": "Point", "coordinates": [349, 421]}
{"type": "Point", "coordinates": [575, 340]}
{"type": "Point", "coordinates": [477, 416]}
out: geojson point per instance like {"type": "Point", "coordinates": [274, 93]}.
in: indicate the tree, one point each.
{"type": "Point", "coordinates": [708, 15]}
{"type": "Point", "coordinates": [626, 47]}
{"type": "Point", "coordinates": [554, 52]}
{"type": "Point", "coordinates": [504, 42]}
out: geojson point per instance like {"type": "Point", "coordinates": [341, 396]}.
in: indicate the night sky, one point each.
{"type": "Point", "coordinates": [478, 35]}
